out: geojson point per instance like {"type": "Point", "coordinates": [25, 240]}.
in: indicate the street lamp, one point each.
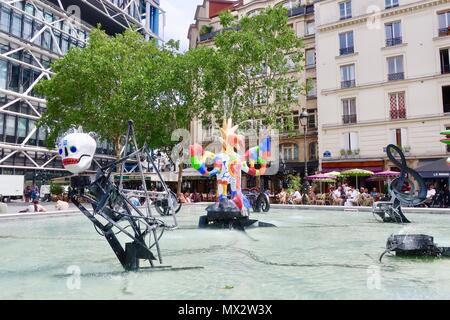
{"type": "Point", "coordinates": [304, 123]}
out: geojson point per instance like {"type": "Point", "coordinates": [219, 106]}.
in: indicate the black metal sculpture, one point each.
{"type": "Point", "coordinates": [391, 211]}
{"type": "Point", "coordinates": [113, 211]}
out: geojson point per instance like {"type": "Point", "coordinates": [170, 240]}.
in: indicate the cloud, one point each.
{"type": "Point", "coordinates": [179, 15]}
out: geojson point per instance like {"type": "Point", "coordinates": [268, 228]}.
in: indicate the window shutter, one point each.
{"type": "Point", "coordinates": [354, 140]}
{"type": "Point", "coordinates": [345, 141]}
{"type": "Point", "coordinates": [404, 133]}
{"type": "Point", "coordinates": [392, 137]}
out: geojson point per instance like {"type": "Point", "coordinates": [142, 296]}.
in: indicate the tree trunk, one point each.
{"type": "Point", "coordinates": [180, 178]}
{"type": "Point", "coordinates": [117, 148]}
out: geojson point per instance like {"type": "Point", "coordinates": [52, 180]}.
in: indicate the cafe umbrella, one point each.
{"type": "Point", "coordinates": [357, 173]}
{"type": "Point", "coordinates": [321, 178]}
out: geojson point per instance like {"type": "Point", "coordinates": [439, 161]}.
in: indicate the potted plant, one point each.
{"type": "Point", "coordinates": [357, 152]}
{"type": "Point", "coordinates": [56, 190]}
{"type": "Point", "coordinates": [349, 152]}
{"type": "Point", "coordinates": [406, 149]}
{"type": "Point", "coordinates": [343, 153]}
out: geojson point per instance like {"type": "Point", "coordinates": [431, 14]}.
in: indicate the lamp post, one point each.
{"type": "Point", "coordinates": [304, 123]}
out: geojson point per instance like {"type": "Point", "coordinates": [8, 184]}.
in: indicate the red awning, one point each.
{"type": "Point", "coordinates": [373, 169]}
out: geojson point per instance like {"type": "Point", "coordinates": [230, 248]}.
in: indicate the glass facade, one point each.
{"type": "Point", "coordinates": [32, 36]}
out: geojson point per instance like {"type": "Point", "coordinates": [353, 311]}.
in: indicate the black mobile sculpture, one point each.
{"type": "Point", "coordinates": [113, 210]}
{"type": "Point", "coordinates": [406, 245]}
{"type": "Point", "coordinates": [391, 211]}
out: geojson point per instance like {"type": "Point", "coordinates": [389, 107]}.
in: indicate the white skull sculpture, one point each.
{"type": "Point", "coordinates": [77, 150]}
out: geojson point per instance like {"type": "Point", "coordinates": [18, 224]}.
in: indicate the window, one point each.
{"type": "Point", "coordinates": [345, 9]}
{"type": "Point", "coordinates": [346, 43]}
{"type": "Point", "coordinates": [2, 116]}
{"type": "Point", "coordinates": [399, 137]}
{"type": "Point", "coordinates": [397, 105]}
{"type": "Point", "coordinates": [350, 141]}
{"type": "Point", "coordinates": [290, 64]}
{"type": "Point", "coordinates": [390, 4]}
{"type": "Point", "coordinates": [3, 74]}
{"type": "Point", "coordinates": [393, 33]}
{"type": "Point", "coordinates": [444, 22]}
{"type": "Point", "coordinates": [260, 97]}
{"type": "Point", "coordinates": [10, 127]}
{"type": "Point", "coordinates": [313, 151]}
{"type": "Point", "coordinates": [311, 85]}
{"type": "Point", "coordinates": [27, 28]}
{"type": "Point", "coordinates": [349, 110]}
{"type": "Point", "coordinates": [16, 27]}
{"type": "Point", "coordinates": [289, 152]}
{"type": "Point", "coordinates": [14, 78]}
{"type": "Point", "coordinates": [5, 19]}
{"type": "Point", "coordinates": [445, 62]}
{"type": "Point", "coordinates": [348, 76]}
{"type": "Point", "coordinates": [21, 129]}
{"type": "Point", "coordinates": [310, 28]}
{"type": "Point", "coordinates": [446, 99]}
{"type": "Point", "coordinates": [395, 68]}
{"type": "Point", "coordinates": [312, 121]}
{"type": "Point", "coordinates": [291, 4]}
{"type": "Point", "coordinates": [310, 58]}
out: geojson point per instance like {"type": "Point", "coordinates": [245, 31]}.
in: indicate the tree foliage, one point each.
{"type": "Point", "coordinates": [112, 80]}
{"type": "Point", "coordinates": [255, 61]}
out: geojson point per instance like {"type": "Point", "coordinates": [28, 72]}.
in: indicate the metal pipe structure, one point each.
{"type": "Point", "coordinates": [45, 31]}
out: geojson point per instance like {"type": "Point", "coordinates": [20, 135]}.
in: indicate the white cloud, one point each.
{"type": "Point", "coordinates": [179, 15]}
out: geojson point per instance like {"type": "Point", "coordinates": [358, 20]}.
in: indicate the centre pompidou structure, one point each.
{"type": "Point", "coordinates": [33, 34]}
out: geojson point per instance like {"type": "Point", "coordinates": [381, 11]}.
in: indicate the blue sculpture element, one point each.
{"type": "Point", "coordinates": [391, 211]}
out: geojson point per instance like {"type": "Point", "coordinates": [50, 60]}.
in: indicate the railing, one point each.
{"type": "Point", "coordinates": [396, 76]}
{"type": "Point", "coordinates": [348, 84]}
{"type": "Point", "coordinates": [348, 50]}
{"type": "Point", "coordinates": [394, 41]}
{"type": "Point", "coordinates": [348, 16]}
{"type": "Point", "coordinates": [349, 118]}
{"type": "Point", "coordinates": [300, 10]}
{"type": "Point", "coordinates": [444, 31]}
{"type": "Point", "coordinates": [398, 113]}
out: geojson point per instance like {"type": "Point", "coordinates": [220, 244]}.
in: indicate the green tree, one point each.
{"type": "Point", "coordinates": [112, 80]}
{"type": "Point", "coordinates": [255, 60]}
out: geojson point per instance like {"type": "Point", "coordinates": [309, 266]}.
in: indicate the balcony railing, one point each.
{"type": "Point", "coordinates": [398, 113]}
{"type": "Point", "coordinates": [348, 50]}
{"type": "Point", "coordinates": [396, 76]}
{"type": "Point", "coordinates": [393, 41]}
{"type": "Point", "coordinates": [349, 118]}
{"type": "Point", "coordinates": [348, 84]}
{"type": "Point", "coordinates": [348, 16]}
{"type": "Point", "coordinates": [390, 6]}
{"type": "Point", "coordinates": [444, 31]}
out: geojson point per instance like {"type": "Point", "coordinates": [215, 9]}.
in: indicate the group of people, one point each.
{"type": "Point", "coordinates": [343, 195]}
{"type": "Point", "coordinates": [191, 197]}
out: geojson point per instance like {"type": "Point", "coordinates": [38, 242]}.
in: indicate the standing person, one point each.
{"type": "Point", "coordinates": [27, 194]}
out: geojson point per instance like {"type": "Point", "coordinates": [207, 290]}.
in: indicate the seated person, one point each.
{"type": "Point", "coordinates": [182, 198]}
{"type": "Point", "coordinates": [282, 196]}
{"type": "Point", "coordinates": [61, 205]}
{"type": "Point", "coordinates": [367, 198]}
{"type": "Point", "coordinates": [35, 207]}
{"type": "Point", "coordinates": [375, 195]}
{"type": "Point", "coordinates": [430, 195]}
{"type": "Point", "coordinates": [352, 197]}
{"type": "Point", "coordinates": [297, 197]}
{"type": "Point", "coordinates": [337, 197]}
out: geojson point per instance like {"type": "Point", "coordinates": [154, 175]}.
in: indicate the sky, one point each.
{"type": "Point", "coordinates": [179, 15]}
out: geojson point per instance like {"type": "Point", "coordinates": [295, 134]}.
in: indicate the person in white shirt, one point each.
{"type": "Point", "coordinates": [352, 197]}
{"type": "Point", "coordinates": [431, 192]}
{"type": "Point", "coordinates": [297, 197]}
{"type": "Point", "coordinates": [35, 207]}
